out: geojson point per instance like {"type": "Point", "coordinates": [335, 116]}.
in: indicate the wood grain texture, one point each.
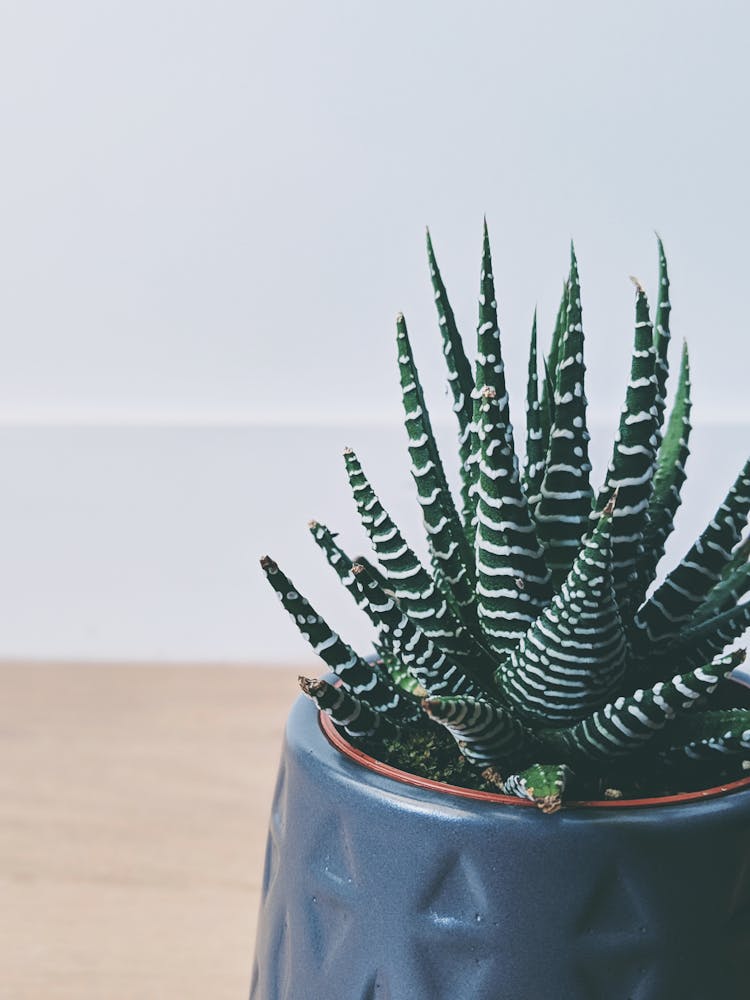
{"type": "Point", "coordinates": [133, 810]}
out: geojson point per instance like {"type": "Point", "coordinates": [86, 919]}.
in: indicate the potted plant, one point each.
{"type": "Point", "coordinates": [535, 663]}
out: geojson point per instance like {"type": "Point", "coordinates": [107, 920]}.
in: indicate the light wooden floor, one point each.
{"type": "Point", "coordinates": [133, 808]}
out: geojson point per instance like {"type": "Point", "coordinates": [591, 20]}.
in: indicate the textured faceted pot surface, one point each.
{"type": "Point", "coordinates": [378, 890]}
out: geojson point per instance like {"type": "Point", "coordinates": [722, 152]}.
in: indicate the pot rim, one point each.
{"type": "Point", "coordinates": [340, 743]}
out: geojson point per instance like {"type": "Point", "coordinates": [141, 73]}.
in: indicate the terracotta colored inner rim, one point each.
{"type": "Point", "coordinates": [358, 756]}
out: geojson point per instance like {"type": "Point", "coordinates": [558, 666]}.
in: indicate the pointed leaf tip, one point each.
{"type": "Point", "coordinates": [306, 683]}
{"type": "Point", "coordinates": [609, 508]}
{"type": "Point", "coordinates": [268, 564]}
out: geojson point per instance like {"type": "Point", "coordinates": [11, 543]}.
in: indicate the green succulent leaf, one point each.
{"type": "Point", "coordinates": [415, 589]}
{"type": "Point", "coordinates": [450, 550]}
{"type": "Point", "coordinates": [631, 468]}
{"type": "Point", "coordinates": [710, 736]}
{"type": "Point", "coordinates": [360, 678]}
{"type": "Point", "coordinates": [573, 656]}
{"type": "Point", "coordinates": [460, 379]}
{"type": "Point", "coordinates": [627, 724]}
{"type": "Point", "coordinates": [562, 513]}
{"type": "Point", "coordinates": [547, 407]}
{"type": "Point", "coordinates": [668, 480]}
{"type": "Point", "coordinates": [344, 568]}
{"type": "Point", "coordinates": [340, 562]}
{"type": "Point", "coordinates": [427, 663]}
{"type": "Point", "coordinates": [686, 587]}
{"type": "Point", "coordinates": [536, 447]}
{"type": "Point", "coordinates": [484, 730]}
{"type": "Point", "coordinates": [398, 673]}
{"type": "Point", "coordinates": [489, 373]}
{"type": "Point", "coordinates": [352, 714]}
{"type": "Point", "coordinates": [731, 588]}
{"type": "Point", "coordinates": [700, 643]}
{"type": "Point", "coordinates": [662, 338]}
{"type": "Point", "coordinates": [513, 582]}
{"type": "Point", "coordinates": [543, 784]}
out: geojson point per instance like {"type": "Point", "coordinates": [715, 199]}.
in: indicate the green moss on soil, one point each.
{"type": "Point", "coordinates": [428, 751]}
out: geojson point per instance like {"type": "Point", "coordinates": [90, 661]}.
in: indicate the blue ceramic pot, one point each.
{"type": "Point", "coordinates": [375, 889]}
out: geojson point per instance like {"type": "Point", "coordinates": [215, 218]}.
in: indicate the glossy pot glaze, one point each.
{"type": "Point", "coordinates": [378, 886]}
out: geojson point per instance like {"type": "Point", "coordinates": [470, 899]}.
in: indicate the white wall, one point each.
{"type": "Point", "coordinates": [191, 191]}
{"type": "Point", "coordinates": [211, 212]}
{"type": "Point", "coordinates": [143, 543]}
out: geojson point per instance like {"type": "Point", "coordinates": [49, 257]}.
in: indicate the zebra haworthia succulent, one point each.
{"type": "Point", "coordinates": [534, 646]}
